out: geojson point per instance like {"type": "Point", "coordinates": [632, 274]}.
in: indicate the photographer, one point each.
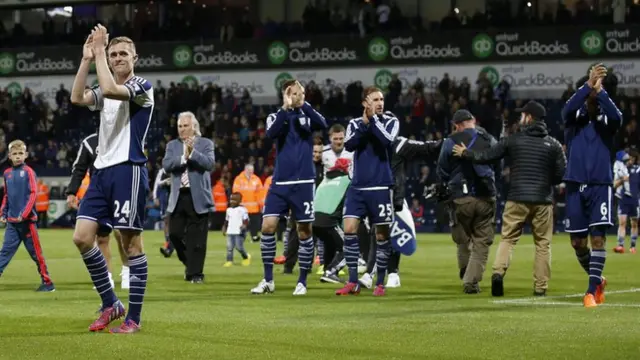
{"type": "Point", "coordinates": [473, 194]}
{"type": "Point", "coordinates": [538, 163]}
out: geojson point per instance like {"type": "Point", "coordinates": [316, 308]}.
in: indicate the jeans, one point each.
{"type": "Point", "coordinates": [237, 242]}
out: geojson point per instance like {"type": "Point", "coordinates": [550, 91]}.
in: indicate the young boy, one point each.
{"type": "Point", "coordinates": [235, 225]}
{"type": "Point", "coordinates": [19, 214]}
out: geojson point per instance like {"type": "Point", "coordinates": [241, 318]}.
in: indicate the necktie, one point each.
{"type": "Point", "coordinates": [184, 180]}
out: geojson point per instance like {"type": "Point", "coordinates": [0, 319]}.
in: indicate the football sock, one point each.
{"type": "Point", "coordinates": [285, 238]}
{"type": "Point", "coordinates": [634, 239]}
{"type": "Point", "coordinates": [268, 250]}
{"type": "Point", "coordinates": [351, 254]}
{"type": "Point", "coordinates": [382, 260]}
{"type": "Point", "coordinates": [97, 266]}
{"type": "Point", "coordinates": [321, 251]}
{"type": "Point", "coordinates": [621, 237]}
{"type": "Point", "coordinates": [305, 259]}
{"type": "Point", "coordinates": [584, 257]}
{"type": "Point", "coordinates": [596, 266]}
{"type": "Point", "coordinates": [138, 285]}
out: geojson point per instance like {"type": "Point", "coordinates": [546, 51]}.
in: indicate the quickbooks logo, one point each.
{"type": "Point", "coordinates": [482, 46]}
{"type": "Point", "coordinates": [382, 79]}
{"type": "Point", "coordinates": [182, 56]}
{"type": "Point", "coordinates": [307, 51]}
{"type": "Point", "coordinates": [378, 49]}
{"type": "Point", "coordinates": [591, 42]}
{"type": "Point", "coordinates": [280, 79]}
{"type": "Point", "coordinates": [14, 89]}
{"type": "Point", "coordinates": [7, 63]}
{"type": "Point", "coordinates": [492, 75]}
{"type": "Point", "coordinates": [277, 52]}
{"type": "Point", "coordinates": [515, 44]}
{"type": "Point", "coordinates": [190, 81]}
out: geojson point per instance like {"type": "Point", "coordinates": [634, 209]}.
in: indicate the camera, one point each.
{"type": "Point", "coordinates": [440, 192]}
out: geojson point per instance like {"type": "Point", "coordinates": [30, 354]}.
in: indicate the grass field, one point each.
{"type": "Point", "coordinates": [428, 318]}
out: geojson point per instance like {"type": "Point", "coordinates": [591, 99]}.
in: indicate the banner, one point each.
{"type": "Point", "coordinates": [542, 80]}
{"type": "Point", "coordinates": [463, 47]}
{"type": "Point", "coordinates": [57, 208]}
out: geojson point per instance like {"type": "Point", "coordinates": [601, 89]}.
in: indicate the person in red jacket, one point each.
{"type": "Point", "coordinates": [19, 213]}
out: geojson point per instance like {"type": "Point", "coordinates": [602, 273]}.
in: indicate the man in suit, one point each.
{"type": "Point", "coordinates": [189, 160]}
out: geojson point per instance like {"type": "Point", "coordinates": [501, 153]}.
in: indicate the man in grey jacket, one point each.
{"type": "Point", "coordinates": [189, 160]}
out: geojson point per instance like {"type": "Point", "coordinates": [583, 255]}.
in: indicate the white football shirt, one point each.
{"type": "Point", "coordinates": [329, 157]}
{"type": "Point", "coordinates": [236, 216]}
{"type": "Point", "coordinates": [123, 124]}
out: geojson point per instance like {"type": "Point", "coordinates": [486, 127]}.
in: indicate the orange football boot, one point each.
{"type": "Point", "coordinates": [589, 301]}
{"type": "Point", "coordinates": [599, 296]}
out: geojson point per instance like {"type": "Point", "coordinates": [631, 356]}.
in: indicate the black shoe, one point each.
{"type": "Point", "coordinates": [46, 288]}
{"type": "Point", "coordinates": [497, 285]}
{"type": "Point", "coordinates": [197, 279]}
{"type": "Point", "coordinates": [462, 271]}
{"type": "Point", "coordinates": [166, 252]}
{"type": "Point", "coordinates": [331, 278]}
{"type": "Point", "coordinates": [471, 288]}
{"type": "Point", "coordinates": [540, 293]}
{"type": "Point", "coordinates": [255, 239]}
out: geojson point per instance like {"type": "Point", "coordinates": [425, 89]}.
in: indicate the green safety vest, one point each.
{"type": "Point", "coordinates": [329, 194]}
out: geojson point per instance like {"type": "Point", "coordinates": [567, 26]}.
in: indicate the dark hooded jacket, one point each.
{"type": "Point", "coordinates": [537, 163]}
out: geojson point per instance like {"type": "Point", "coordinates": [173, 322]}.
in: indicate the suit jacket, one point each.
{"type": "Point", "coordinates": [199, 165]}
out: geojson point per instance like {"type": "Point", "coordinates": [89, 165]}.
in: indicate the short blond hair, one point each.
{"type": "Point", "coordinates": [122, 40]}
{"type": "Point", "coordinates": [17, 144]}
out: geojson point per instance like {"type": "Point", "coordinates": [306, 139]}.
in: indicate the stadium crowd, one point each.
{"type": "Point", "coordinates": [165, 21]}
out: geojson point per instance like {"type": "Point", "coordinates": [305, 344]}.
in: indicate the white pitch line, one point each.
{"type": "Point", "coordinates": [546, 298]}
{"type": "Point", "coordinates": [554, 303]}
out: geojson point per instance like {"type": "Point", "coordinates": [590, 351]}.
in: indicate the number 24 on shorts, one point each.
{"type": "Point", "coordinates": [124, 211]}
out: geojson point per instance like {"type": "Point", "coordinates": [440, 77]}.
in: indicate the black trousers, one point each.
{"type": "Point", "coordinates": [333, 242]}
{"type": "Point", "coordinates": [42, 220]}
{"type": "Point", "coordinates": [291, 252]}
{"type": "Point", "coordinates": [365, 238]}
{"type": "Point", "coordinates": [188, 234]}
{"type": "Point", "coordinates": [255, 224]}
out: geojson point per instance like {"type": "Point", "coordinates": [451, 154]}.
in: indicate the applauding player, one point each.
{"type": "Point", "coordinates": [369, 195]}
{"type": "Point", "coordinates": [291, 128]}
{"type": "Point", "coordinates": [591, 121]}
{"type": "Point", "coordinates": [119, 185]}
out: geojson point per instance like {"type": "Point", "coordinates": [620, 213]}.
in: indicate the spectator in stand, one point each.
{"type": "Point", "coordinates": [417, 211]}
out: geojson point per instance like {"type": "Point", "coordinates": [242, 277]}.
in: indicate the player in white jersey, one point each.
{"type": "Point", "coordinates": [335, 150]}
{"type": "Point", "coordinates": [119, 186]}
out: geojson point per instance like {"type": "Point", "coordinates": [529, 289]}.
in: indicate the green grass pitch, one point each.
{"type": "Point", "coordinates": [428, 318]}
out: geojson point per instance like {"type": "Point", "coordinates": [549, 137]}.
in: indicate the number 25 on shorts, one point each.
{"type": "Point", "coordinates": [385, 210]}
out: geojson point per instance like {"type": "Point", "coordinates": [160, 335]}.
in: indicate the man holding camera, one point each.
{"type": "Point", "coordinates": [537, 164]}
{"type": "Point", "coordinates": [473, 192]}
